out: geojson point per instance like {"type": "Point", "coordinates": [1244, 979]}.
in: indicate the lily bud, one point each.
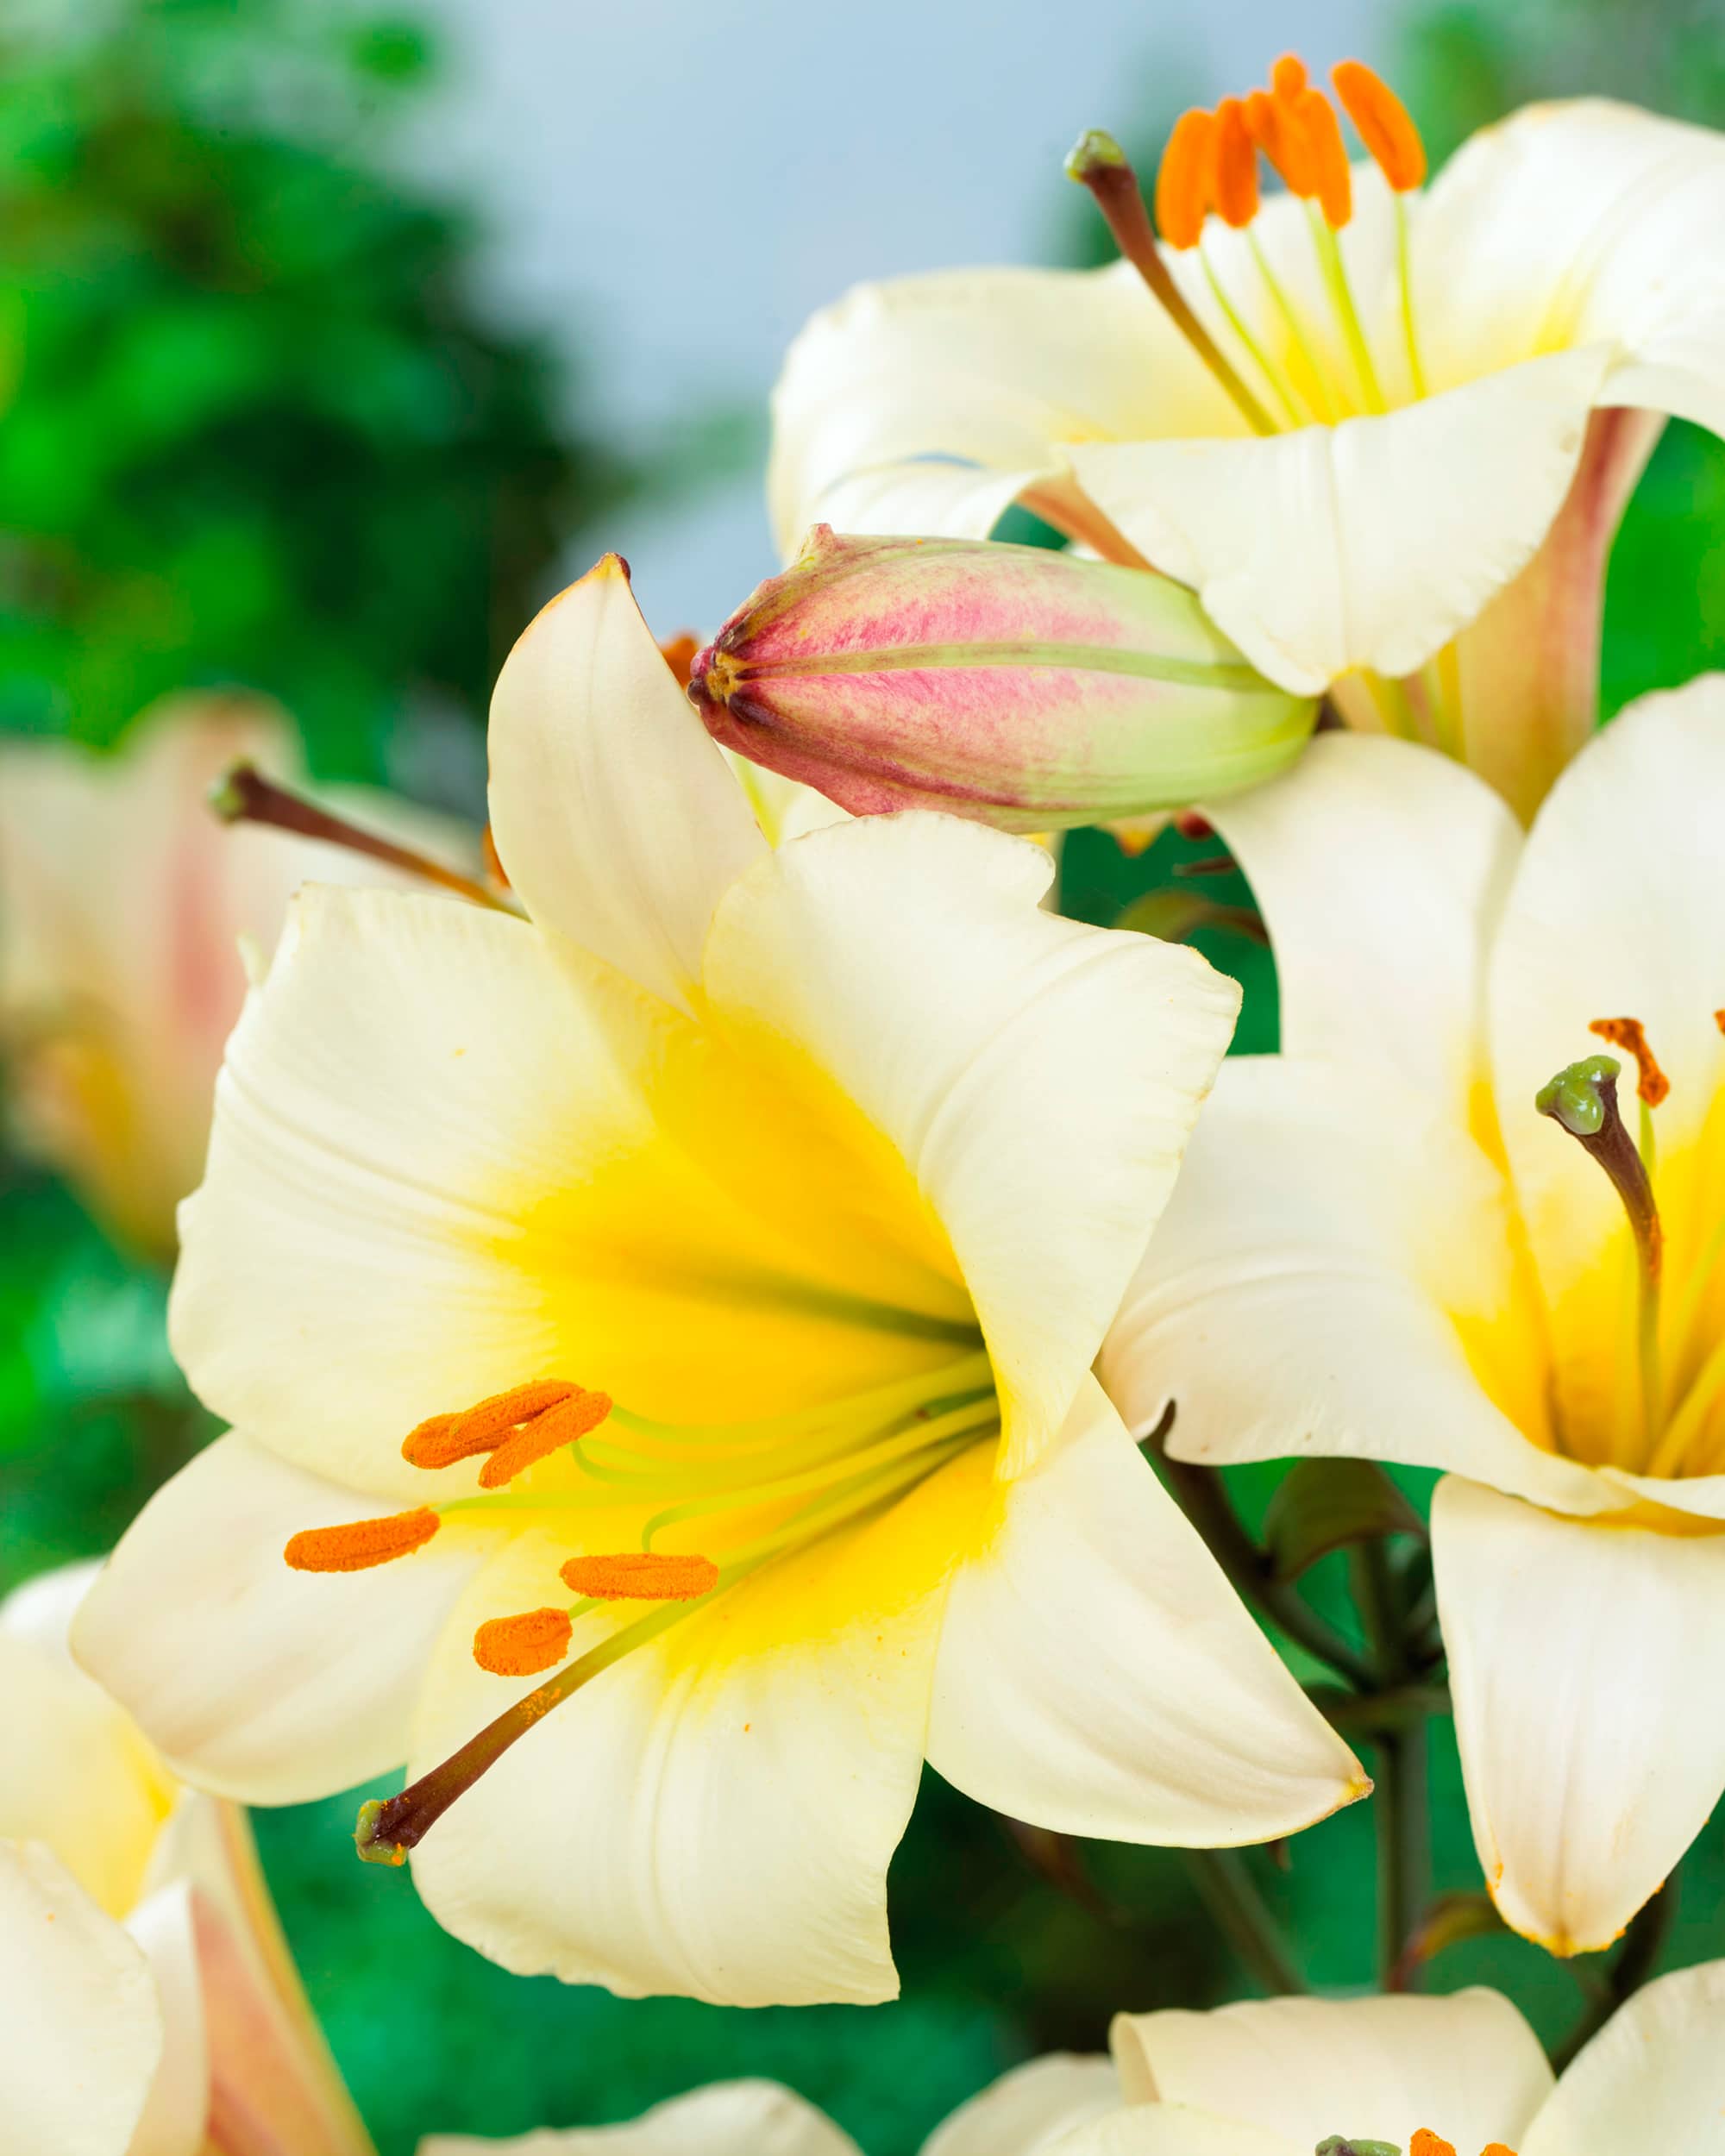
{"type": "Point", "coordinates": [1030, 689]}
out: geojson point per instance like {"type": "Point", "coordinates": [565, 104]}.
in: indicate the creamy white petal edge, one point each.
{"type": "Point", "coordinates": [80, 2010]}
{"type": "Point", "coordinates": [1653, 2078]}
{"type": "Point", "coordinates": [1589, 1705]}
{"type": "Point", "coordinates": [731, 2118]}
{"type": "Point", "coordinates": [166, 1927]}
{"type": "Point", "coordinates": [1032, 2108]}
{"type": "Point", "coordinates": [613, 813]}
{"type": "Point", "coordinates": [1467, 2067]}
{"type": "Point", "coordinates": [268, 1685]}
{"type": "Point", "coordinates": [1175, 2129]}
{"type": "Point", "coordinates": [1173, 1721]}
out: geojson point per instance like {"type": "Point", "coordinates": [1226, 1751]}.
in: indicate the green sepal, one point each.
{"type": "Point", "coordinates": [1322, 1506]}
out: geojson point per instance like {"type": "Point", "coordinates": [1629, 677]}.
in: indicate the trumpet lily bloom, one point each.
{"type": "Point", "coordinates": [1386, 434]}
{"type": "Point", "coordinates": [148, 2007]}
{"type": "Point", "coordinates": [1027, 2112]}
{"type": "Point", "coordinates": [123, 907]}
{"type": "Point", "coordinates": [691, 1290]}
{"type": "Point", "coordinates": [1395, 1241]}
{"type": "Point", "coordinates": [1462, 2076]}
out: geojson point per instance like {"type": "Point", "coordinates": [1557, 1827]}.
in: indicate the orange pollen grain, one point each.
{"type": "Point", "coordinates": [357, 1545]}
{"type": "Point", "coordinates": [1631, 1036]}
{"type": "Point", "coordinates": [1425, 2143]}
{"type": "Point", "coordinates": [491, 1421]}
{"type": "Point", "coordinates": [433, 1442]}
{"type": "Point", "coordinates": [1333, 181]}
{"type": "Point", "coordinates": [1236, 165]}
{"type": "Point", "coordinates": [521, 1646]}
{"type": "Point", "coordinates": [1288, 78]}
{"type": "Point", "coordinates": [1185, 180]}
{"type": "Point", "coordinates": [640, 1576]}
{"type": "Point", "coordinates": [563, 1424]}
{"type": "Point", "coordinates": [1382, 122]}
{"type": "Point", "coordinates": [1272, 125]}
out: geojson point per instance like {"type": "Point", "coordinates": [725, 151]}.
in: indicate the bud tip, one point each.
{"type": "Point", "coordinates": [1095, 151]}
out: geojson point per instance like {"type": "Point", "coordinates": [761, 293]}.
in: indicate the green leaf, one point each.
{"type": "Point", "coordinates": [1322, 1506]}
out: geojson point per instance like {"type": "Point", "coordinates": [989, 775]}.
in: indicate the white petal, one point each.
{"type": "Point", "coordinates": [612, 810]}
{"type": "Point", "coordinates": [1175, 2129]}
{"type": "Point", "coordinates": [1302, 1293]}
{"type": "Point", "coordinates": [78, 2005]}
{"type": "Point", "coordinates": [991, 367]}
{"type": "Point", "coordinates": [713, 1814]}
{"type": "Point", "coordinates": [1029, 2108]}
{"type": "Point", "coordinates": [1615, 911]}
{"type": "Point", "coordinates": [260, 1682]}
{"type": "Point", "coordinates": [1467, 2067]}
{"type": "Point", "coordinates": [178, 2103]}
{"type": "Point", "coordinates": [41, 1610]}
{"type": "Point", "coordinates": [1653, 2079]}
{"type": "Point", "coordinates": [1380, 868]}
{"type": "Point", "coordinates": [1573, 224]}
{"type": "Point", "coordinates": [1366, 544]}
{"type": "Point", "coordinates": [732, 2118]}
{"type": "Point", "coordinates": [957, 501]}
{"type": "Point", "coordinates": [1038, 1077]}
{"type": "Point", "coordinates": [1589, 1705]}
{"type": "Point", "coordinates": [1098, 1676]}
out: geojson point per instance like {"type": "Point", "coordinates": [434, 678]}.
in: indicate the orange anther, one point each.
{"type": "Point", "coordinates": [519, 1646]}
{"type": "Point", "coordinates": [1288, 78]}
{"type": "Point", "coordinates": [357, 1545]}
{"type": "Point", "coordinates": [1277, 131]}
{"type": "Point", "coordinates": [562, 1424]}
{"type": "Point", "coordinates": [1383, 123]}
{"type": "Point", "coordinates": [1719, 1020]}
{"type": "Point", "coordinates": [491, 1421]}
{"type": "Point", "coordinates": [1425, 2143]}
{"type": "Point", "coordinates": [1631, 1036]}
{"type": "Point", "coordinates": [679, 655]}
{"type": "Point", "coordinates": [1186, 181]}
{"type": "Point", "coordinates": [1236, 165]}
{"type": "Point", "coordinates": [642, 1575]}
{"type": "Point", "coordinates": [433, 1442]}
{"type": "Point", "coordinates": [1333, 182]}
{"type": "Point", "coordinates": [1497, 2148]}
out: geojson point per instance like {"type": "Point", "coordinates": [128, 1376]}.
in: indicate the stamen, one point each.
{"type": "Point", "coordinates": [1272, 124]}
{"type": "Point", "coordinates": [564, 1424]}
{"type": "Point", "coordinates": [679, 655]}
{"type": "Point", "coordinates": [1382, 122]}
{"type": "Point", "coordinates": [1186, 179]}
{"type": "Point", "coordinates": [488, 1424]}
{"type": "Point", "coordinates": [643, 1575]}
{"type": "Point", "coordinates": [357, 1545]}
{"type": "Point", "coordinates": [1099, 163]}
{"type": "Point", "coordinates": [1425, 2143]}
{"type": "Point", "coordinates": [433, 1444]}
{"type": "Point", "coordinates": [243, 795]}
{"type": "Point", "coordinates": [1237, 190]}
{"type": "Point", "coordinates": [1333, 181]}
{"type": "Point", "coordinates": [523, 1646]}
{"type": "Point", "coordinates": [1631, 1036]}
{"type": "Point", "coordinates": [1288, 77]}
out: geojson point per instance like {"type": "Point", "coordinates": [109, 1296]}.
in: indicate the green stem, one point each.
{"type": "Point", "coordinates": [1400, 1803]}
{"type": "Point", "coordinates": [1230, 1893]}
{"type": "Point", "coordinates": [1643, 1943]}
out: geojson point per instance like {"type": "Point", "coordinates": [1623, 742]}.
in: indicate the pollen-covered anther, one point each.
{"type": "Point", "coordinates": [1426, 2143]}
{"type": "Point", "coordinates": [1274, 127]}
{"type": "Point", "coordinates": [570, 1419]}
{"type": "Point", "coordinates": [1382, 122]}
{"type": "Point", "coordinates": [357, 1545]}
{"type": "Point", "coordinates": [644, 1575]}
{"type": "Point", "coordinates": [1288, 76]}
{"type": "Point", "coordinates": [1332, 180]}
{"type": "Point", "coordinates": [1631, 1036]}
{"type": "Point", "coordinates": [479, 1428]}
{"type": "Point", "coordinates": [524, 1644]}
{"type": "Point", "coordinates": [1186, 179]}
{"type": "Point", "coordinates": [1236, 186]}
{"type": "Point", "coordinates": [433, 1444]}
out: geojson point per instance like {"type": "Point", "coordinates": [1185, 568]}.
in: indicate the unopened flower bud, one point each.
{"type": "Point", "coordinates": [1028, 689]}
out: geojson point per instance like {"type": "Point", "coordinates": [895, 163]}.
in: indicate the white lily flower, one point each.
{"type": "Point", "coordinates": [1027, 2112]}
{"type": "Point", "coordinates": [1386, 435]}
{"type": "Point", "coordinates": [124, 908]}
{"type": "Point", "coordinates": [1380, 1247]}
{"type": "Point", "coordinates": [148, 2006]}
{"type": "Point", "coordinates": [1434, 2077]}
{"type": "Point", "coordinates": [829, 1165]}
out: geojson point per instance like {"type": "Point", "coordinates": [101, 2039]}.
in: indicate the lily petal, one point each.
{"type": "Point", "coordinates": [1175, 2129]}
{"type": "Point", "coordinates": [1380, 868]}
{"type": "Point", "coordinates": [1040, 1081]}
{"type": "Point", "coordinates": [82, 2016]}
{"type": "Point", "coordinates": [178, 2104]}
{"type": "Point", "coordinates": [732, 2118]}
{"type": "Point", "coordinates": [713, 1814]}
{"type": "Point", "coordinates": [263, 1684]}
{"type": "Point", "coordinates": [1573, 224]}
{"type": "Point", "coordinates": [1178, 1724]}
{"type": "Point", "coordinates": [1372, 2068]}
{"type": "Point", "coordinates": [1030, 2108]}
{"type": "Point", "coordinates": [1363, 545]}
{"type": "Point", "coordinates": [1653, 2078]}
{"type": "Point", "coordinates": [613, 813]}
{"type": "Point", "coordinates": [1590, 1706]}
{"type": "Point", "coordinates": [1302, 1293]}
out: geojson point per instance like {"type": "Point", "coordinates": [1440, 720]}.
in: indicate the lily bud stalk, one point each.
{"type": "Point", "coordinates": [1031, 690]}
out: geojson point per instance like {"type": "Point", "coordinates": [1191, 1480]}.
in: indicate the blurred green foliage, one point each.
{"type": "Point", "coordinates": [252, 427]}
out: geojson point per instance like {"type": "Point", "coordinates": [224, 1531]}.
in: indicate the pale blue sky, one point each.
{"type": "Point", "coordinates": [682, 182]}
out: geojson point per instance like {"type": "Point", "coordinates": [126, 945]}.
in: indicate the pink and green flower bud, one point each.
{"type": "Point", "coordinates": [1031, 690]}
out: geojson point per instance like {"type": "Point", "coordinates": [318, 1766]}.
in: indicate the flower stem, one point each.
{"type": "Point", "coordinates": [1400, 1806]}
{"type": "Point", "coordinates": [1243, 1916]}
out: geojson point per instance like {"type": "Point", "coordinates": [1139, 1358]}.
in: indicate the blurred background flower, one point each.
{"type": "Point", "coordinates": [329, 347]}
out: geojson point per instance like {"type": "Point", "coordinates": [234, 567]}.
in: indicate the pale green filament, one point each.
{"type": "Point", "coordinates": [1280, 387]}
{"type": "Point", "coordinates": [1341, 298]}
{"type": "Point", "coordinates": [1416, 373]}
{"type": "Point", "coordinates": [1320, 398]}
